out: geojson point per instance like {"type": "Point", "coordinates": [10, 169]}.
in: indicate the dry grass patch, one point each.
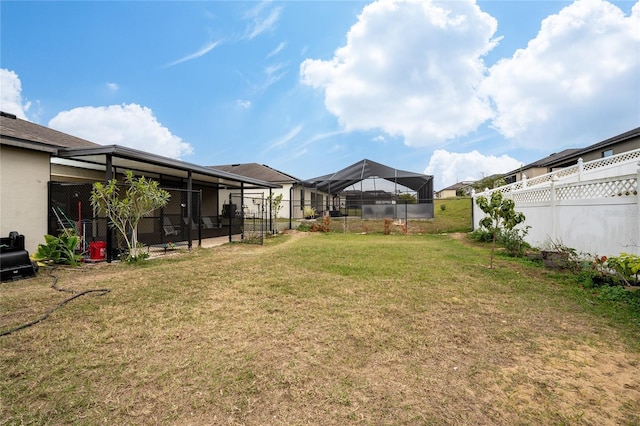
{"type": "Point", "coordinates": [320, 329]}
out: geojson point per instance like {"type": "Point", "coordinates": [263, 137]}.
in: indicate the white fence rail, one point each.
{"type": "Point", "coordinates": [592, 207]}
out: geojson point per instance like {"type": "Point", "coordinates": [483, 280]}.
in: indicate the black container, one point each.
{"type": "Point", "coordinates": [14, 259]}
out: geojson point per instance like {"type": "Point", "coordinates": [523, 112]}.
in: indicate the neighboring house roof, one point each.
{"type": "Point", "coordinates": [633, 133]}
{"type": "Point", "coordinates": [17, 132]}
{"type": "Point", "coordinates": [544, 162]}
{"type": "Point", "coordinates": [257, 171]}
{"type": "Point", "coordinates": [458, 185]}
{"type": "Point", "coordinates": [336, 182]}
{"type": "Point", "coordinates": [571, 154]}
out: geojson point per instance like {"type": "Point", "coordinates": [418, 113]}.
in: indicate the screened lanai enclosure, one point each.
{"type": "Point", "coordinates": [374, 191]}
{"type": "Point", "coordinates": [198, 208]}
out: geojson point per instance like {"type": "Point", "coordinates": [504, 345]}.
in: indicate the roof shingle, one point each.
{"type": "Point", "coordinates": [23, 130]}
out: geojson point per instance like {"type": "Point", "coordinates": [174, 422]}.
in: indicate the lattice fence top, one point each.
{"type": "Point", "coordinates": [613, 160]}
{"type": "Point", "coordinates": [532, 196]}
{"type": "Point", "coordinates": [566, 172]}
{"type": "Point", "coordinates": [620, 187]}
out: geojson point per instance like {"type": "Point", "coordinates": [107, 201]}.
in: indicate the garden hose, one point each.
{"type": "Point", "coordinates": [54, 285]}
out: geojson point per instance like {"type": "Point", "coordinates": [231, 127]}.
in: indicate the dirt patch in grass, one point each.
{"type": "Point", "coordinates": [316, 329]}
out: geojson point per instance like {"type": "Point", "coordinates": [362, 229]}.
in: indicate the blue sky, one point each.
{"type": "Point", "coordinates": [457, 89]}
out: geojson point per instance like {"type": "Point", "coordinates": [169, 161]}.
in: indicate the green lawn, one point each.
{"type": "Point", "coordinates": [455, 216]}
{"type": "Point", "coordinates": [326, 329]}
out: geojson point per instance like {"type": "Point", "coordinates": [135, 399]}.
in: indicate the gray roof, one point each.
{"type": "Point", "coordinates": [572, 154]}
{"type": "Point", "coordinates": [458, 185]}
{"type": "Point", "coordinates": [543, 162]}
{"type": "Point", "coordinates": [133, 159]}
{"type": "Point", "coordinates": [257, 171]}
{"type": "Point", "coordinates": [633, 133]}
{"type": "Point", "coordinates": [15, 131]}
{"type": "Point", "coordinates": [336, 182]}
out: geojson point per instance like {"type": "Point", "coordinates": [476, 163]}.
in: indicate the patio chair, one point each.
{"type": "Point", "coordinates": [170, 228]}
{"type": "Point", "coordinates": [207, 222]}
{"type": "Point", "coordinates": [186, 222]}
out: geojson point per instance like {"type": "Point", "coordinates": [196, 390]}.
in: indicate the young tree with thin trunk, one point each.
{"type": "Point", "coordinates": [501, 215]}
{"type": "Point", "coordinates": [126, 209]}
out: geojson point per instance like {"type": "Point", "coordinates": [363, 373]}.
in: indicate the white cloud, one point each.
{"type": "Point", "coordinates": [576, 83]}
{"type": "Point", "coordinates": [203, 51]}
{"type": "Point", "coordinates": [409, 68]}
{"type": "Point", "coordinates": [129, 125]}
{"type": "Point", "coordinates": [243, 104]}
{"type": "Point", "coordinates": [263, 17]}
{"type": "Point", "coordinates": [277, 50]}
{"type": "Point", "coordinates": [448, 168]}
{"type": "Point", "coordinates": [113, 87]}
{"type": "Point", "coordinates": [285, 139]}
{"type": "Point", "coordinates": [11, 94]}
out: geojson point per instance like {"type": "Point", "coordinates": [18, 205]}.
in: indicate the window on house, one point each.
{"type": "Point", "coordinates": [607, 153]}
{"type": "Point", "coordinates": [302, 199]}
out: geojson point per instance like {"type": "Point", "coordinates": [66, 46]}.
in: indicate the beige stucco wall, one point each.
{"type": "Point", "coordinates": [63, 173]}
{"type": "Point", "coordinates": [446, 193]}
{"type": "Point", "coordinates": [24, 177]}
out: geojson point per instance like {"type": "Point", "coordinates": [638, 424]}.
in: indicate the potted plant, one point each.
{"type": "Point", "coordinates": [309, 212]}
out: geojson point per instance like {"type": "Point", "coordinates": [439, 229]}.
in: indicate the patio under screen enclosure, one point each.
{"type": "Point", "coordinates": [196, 209]}
{"type": "Point", "coordinates": [374, 191]}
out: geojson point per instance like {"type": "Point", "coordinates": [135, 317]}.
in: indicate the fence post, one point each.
{"type": "Point", "coordinates": [524, 181]}
{"type": "Point", "coordinates": [554, 219]}
{"type": "Point", "coordinates": [638, 209]}
{"type": "Point", "coordinates": [580, 169]}
{"type": "Point", "coordinates": [473, 207]}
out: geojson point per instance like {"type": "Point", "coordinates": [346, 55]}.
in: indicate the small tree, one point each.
{"type": "Point", "coordinates": [407, 198]}
{"type": "Point", "coordinates": [501, 215]}
{"type": "Point", "coordinates": [275, 204]}
{"type": "Point", "coordinates": [125, 210]}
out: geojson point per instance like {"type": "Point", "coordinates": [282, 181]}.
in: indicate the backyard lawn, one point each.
{"type": "Point", "coordinates": [322, 329]}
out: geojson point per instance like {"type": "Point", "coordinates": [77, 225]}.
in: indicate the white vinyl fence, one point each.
{"type": "Point", "coordinates": [592, 207]}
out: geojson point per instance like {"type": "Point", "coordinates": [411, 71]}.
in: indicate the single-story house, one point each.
{"type": "Point", "coordinates": [46, 178]}
{"type": "Point", "coordinates": [627, 141]}
{"type": "Point", "coordinates": [295, 195]}
{"type": "Point", "coordinates": [455, 189]}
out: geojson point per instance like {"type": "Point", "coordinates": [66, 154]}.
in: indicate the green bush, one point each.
{"type": "Point", "coordinates": [513, 241]}
{"type": "Point", "coordinates": [627, 265]}
{"type": "Point", "coordinates": [304, 227]}
{"type": "Point", "coordinates": [619, 294]}
{"type": "Point", "coordinates": [58, 250]}
{"type": "Point", "coordinates": [481, 234]}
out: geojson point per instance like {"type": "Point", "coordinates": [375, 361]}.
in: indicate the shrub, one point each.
{"type": "Point", "coordinates": [387, 226]}
{"type": "Point", "coordinates": [620, 295]}
{"type": "Point", "coordinates": [309, 212]}
{"type": "Point", "coordinates": [325, 226]}
{"type": "Point", "coordinates": [513, 241]}
{"type": "Point", "coordinates": [58, 250]}
{"type": "Point", "coordinates": [627, 265]}
{"type": "Point", "coordinates": [481, 234]}
{"type": "Point", "coordinates": [304, 227]}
